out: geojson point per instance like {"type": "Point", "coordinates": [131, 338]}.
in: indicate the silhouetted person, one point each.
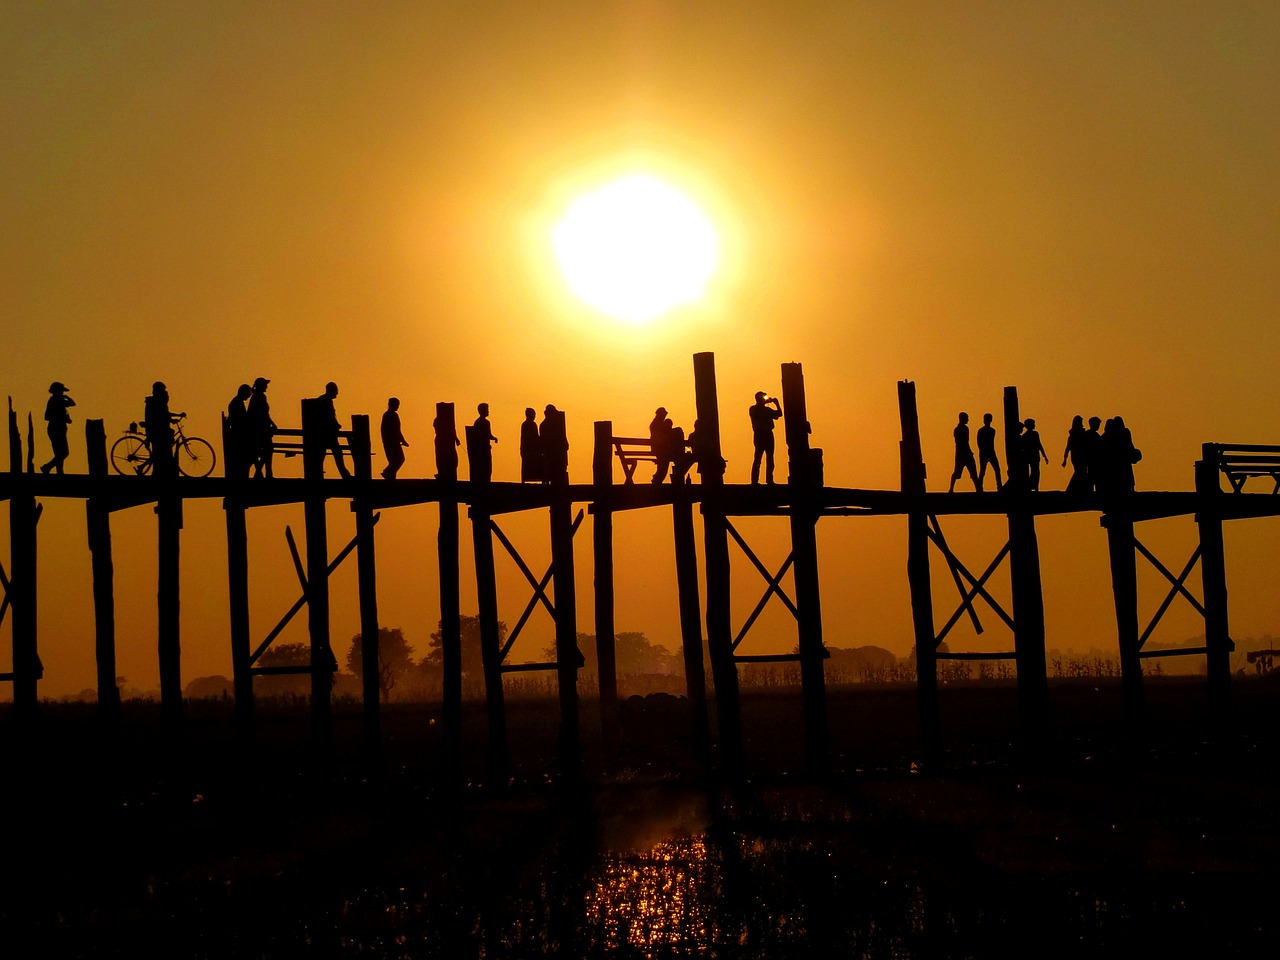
{"type": "Point", "coordinates": [447, 444]}
{"type": "Point", "coordinates": [1078, 449]}
{"type": "Point", "coordinates": [332, 427]}
{"type": "Point", "coordinates": [986, 438]}
{"type": "Point", "coordinates": [57, 419]}
{"type": "Point", "coordinates": [530, 448]}
{"type": "Point", "coordinates": [1118, 457]}
{"type": "Point", "coordinates": [660, 444]}
{"type": "Point", "coordinates": [964, 455]}
{"type": "Point", "coordinates": [681, 458]}
{"type": "Point", "coordinates": [762, 423]}
{"type": "Point", "coordinates": [262, 429]}
{"type": "Point", "coordinates": [1033, 451]}
{"type": "Point", "coordinates": [555, 445]}
{"type": "Point", "coordinates": [1091, 444]}
{"type": "Point", "coordinates": [393, 441]}
{"type": "Point", "coordinates": [1017, 454]}
{"type": "Point", "coordinates": [241, 443]}
{"type": "Point", "coordinates": [157, 422]}
{"type": "Point", "coordinates": [481, 458]}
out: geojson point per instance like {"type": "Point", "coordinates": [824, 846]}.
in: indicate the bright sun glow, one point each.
{"type": "Point", "coordinates": [636, 248]}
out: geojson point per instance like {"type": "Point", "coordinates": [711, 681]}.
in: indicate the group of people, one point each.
{"type": "Point", "coordinates": [250, 429]}
{"type": "Point", "coordinates": [544, 448]}
{"type": "Point", "coordinates": [1101, 462]}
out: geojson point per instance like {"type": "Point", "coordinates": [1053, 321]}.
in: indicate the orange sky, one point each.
{"type": "Point", "coordinates": [1078, 199]}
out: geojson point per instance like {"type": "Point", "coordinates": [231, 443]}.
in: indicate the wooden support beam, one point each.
{"type": "Point", "coordinates": [235, 512]}
{"type": "Point", "coordinates": [1028, 596]}
{"type": "Point", "coordinates": [1124, 589]}
{"type": "Point", "coordinates": [1213, 570]}
{"type": "Point", "coordinates": [24, 513]}
{"type": "Point", "coordinates": [446, 453]}
{"type": "Point", "coordinates": [695, 677]}
{"type": "Point", "coordinates": [805, 484]}
{"type": "Point", "coordinates": [911, 461]}
{"type": "Point", "coordinates": [487, 600]}
{"type": "Point", "coordinates": [169, 596]}
{"type": "Point", "coordinates": [602, 552]}
{"type": "Point", "coordinates": [103, 568]}
{"type": "Point", "coordinates": [724, 671]}
{"type": "Point", "coordinates": [564, 584]}
{"type": "Point", "coordinates": [315, 428]}
{"type": "Point", "coordinates": [367, 580]}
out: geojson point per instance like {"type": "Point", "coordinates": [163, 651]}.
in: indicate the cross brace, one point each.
{"type": "Point", "coordinates": [539, 586]}
{"type": "Point", "coordinates": [773, 580]}
{"type": "Point", "coordinates": [1178, 587]}
{"type": "Point", "coordinates": [4, 578]}
{"type": "Point", "coordinates": [977, 585]}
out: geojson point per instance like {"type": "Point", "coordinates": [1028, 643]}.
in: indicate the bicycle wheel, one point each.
{"type": "Point", "coordinates": [195, 457]}
{"type": "Point", "coordinates": [131, 456]}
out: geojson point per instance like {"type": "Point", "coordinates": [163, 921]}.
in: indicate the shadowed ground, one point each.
{"type": "Point", "coordinates": [125, 844]}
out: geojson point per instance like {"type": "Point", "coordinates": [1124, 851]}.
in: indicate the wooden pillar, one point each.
{"type": "Point", "coordinates": [169, 598]}
{"type": "Point", "coordinates": [98, 511]}
{"type": "Point", "coordinates": [913, 482]}
{"type": "Point", "coordinates": [805, 489]}
{"type": "Point", "coordinates": [1213, 571]}
{"type": "Point", "coordinates": [487, 600]}
{"type": "Point", "coordinates": [1124, 590]}
{"type": "Point", "coordinates": [315, 425]}
{"type": "Point", "coordinates": [450, 613]}
{"type": "Point", "coordinates": [367, 579]}
{"type": "Point", "coordinates": [566, 602]}
{"type": "Point", "coordinates": [1028, 597]}
{"type": "Point", "coordinates": [234, 512]}
{"type": "Point", "coordinates": [695, 678]}
{"type": "Point", "coordinates": [23, 516]}
{"type": "Point", "coordinates": [724, 670]}
{"type": "Point", "coordinates": [602, 543]}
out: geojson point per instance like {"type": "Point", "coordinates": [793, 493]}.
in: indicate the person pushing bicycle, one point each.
{"type": "Point", "coordinates": [158, 423]}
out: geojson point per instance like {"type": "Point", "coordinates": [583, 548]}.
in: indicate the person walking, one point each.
{"type": "Point", "coordinates": [332, 427]}
{"type": "Point", "coordinates": [964, 455]}
{"type": "Point", "coordinates": [240, 441]}
{"type": "Point", "coordinates": [261, 428]}
{"type": "Point", "coordinates": [986, 437]}
{"type": "Point", "coordinates": [1078, 449]}
{"type": "Point", "coordinates": [56, 421]}
{"type": "Point", "coordinates": [393, 441]}
{"type": "Point", "coordinates": [1033, 453]}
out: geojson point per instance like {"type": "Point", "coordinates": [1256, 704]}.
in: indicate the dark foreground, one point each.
{"type": "Point", "coordinates": [127, 844]}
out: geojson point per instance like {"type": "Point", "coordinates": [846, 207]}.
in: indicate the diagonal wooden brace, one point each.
{"type": "Point", "coordinates": [539, 586]}
{"type": "Point", "coordinates": [966, 602]}
{"type": "Point", "coordinates": [974, 581]}
{"type": "Point", "coordinates": [1177, 588]}
{"type": "Point", "coordinates": [967, 597]}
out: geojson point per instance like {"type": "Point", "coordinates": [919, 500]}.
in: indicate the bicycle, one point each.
{"type": "Point", "coordinates": [131, 454]}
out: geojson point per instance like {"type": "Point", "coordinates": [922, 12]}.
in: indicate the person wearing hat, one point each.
{"type": "Point", "coordinates": [157, 421]}
{"type": "Point", "coordinates": [660, 443]}
{"type": "Point", "coordinates": [762, 422]}
{"type": "Point", "coordinates": [55, 413]}
{"type": "Point", "coordinates": [261, 428]}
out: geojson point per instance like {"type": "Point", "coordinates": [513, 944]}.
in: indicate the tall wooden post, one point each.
{"type": "Point", "coordinates": [715, 532]}
{"type": "Point", "coordinates": [450, 613]}
{"type": "Point", "coordinates": [233, 508]}
{"type": "Point", "coordinates": [1213, 571]}
{"type": "Point", "coordinates": [602, 542]}
{"type": "Point", "coordinates": [23, 516]}
{"type": "Point", "coordinates": [695, 677]}
{"type": "Point", "coordinates": [104, 605]}
{"type": "Point", "coordinates": [913, 482]}
{"type": "Point", "coordinates": [1124, 589]}
{"type": "Point", "coordinates": [315, 426]}
{"type": "Point", "coordinates": [487, 600]}
{"type": "Point", "coordinates": [1028, 598]}
{"type": "Point", "coordinates": [169, 590]}
{"type": "Point", "coordinates": [805, 489]}
{"type": "Point", "coordinates": [367, 578]}
{"type": "Point", "coordinates": [564, 584]}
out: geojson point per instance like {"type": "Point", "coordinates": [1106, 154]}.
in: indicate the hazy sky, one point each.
{"type": "Point", "coordinates": [1078, 198]}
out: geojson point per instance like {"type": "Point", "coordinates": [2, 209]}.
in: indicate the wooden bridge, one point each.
{"type": "Point", "coordinates": [804, 500]}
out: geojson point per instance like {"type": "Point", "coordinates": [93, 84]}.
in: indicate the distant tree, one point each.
{"type": "Point", "coordinates": [286, 655]}
{"type": "Point", "coordinates": [472, 661]}
{"type": "Point", "coordinates": [395, 657]}
{"type": "Point", "coordinates": [634, 654]}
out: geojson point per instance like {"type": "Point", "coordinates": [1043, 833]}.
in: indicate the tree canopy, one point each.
{"type": "Point", "coordinates": [395, 658]}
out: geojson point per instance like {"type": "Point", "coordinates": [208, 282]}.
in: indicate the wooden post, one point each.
{"type": "Point", "coordinates": [724, 670]}
{"type": "Point", "coordinates": [104, 605]}
{"type": "Point", "coordinates": [913, 481]}
{"type": "Point", "coordinates": [602, 542]}
{"type": "Point", "coordinates": [233, 508]}
{"type": "Point", "coordinates": [1213, 571]}
{"type": "Point", "coordinates": [1124, 589]}
{"type": "Point", "coordinates": [695, 678]}
{"type": "Point", "coordinates": [487, 600]}
{"type": "Point", "coordinates": [169, 599]}
{"type": "Point", "coordinates": [566, 603]}
{"type": "Point", "coordinates": [367, 577]}
{"type": "Point", "coordinates": [23, 516]}
{"type": "Point", "coordinates": [805, 488]}
{"type": "Point", "coordinates": [450, 612]}
{"type": "Point", "coordinates": [1028, 598]}
{"type": "Point", "coordinates": [315, 425]}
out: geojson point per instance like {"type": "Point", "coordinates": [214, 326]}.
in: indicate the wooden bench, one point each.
{"type": "Point", "coordinates": [633, 451]}
{"type": "Point", "coordinates": [1239, 462]}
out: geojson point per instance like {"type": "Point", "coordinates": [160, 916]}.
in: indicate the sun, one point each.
{"type": "Point", "coordinates": [636, 248]}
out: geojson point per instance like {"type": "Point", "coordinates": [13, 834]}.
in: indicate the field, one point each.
{"type": "Point", "coordinates": [134, 842]}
